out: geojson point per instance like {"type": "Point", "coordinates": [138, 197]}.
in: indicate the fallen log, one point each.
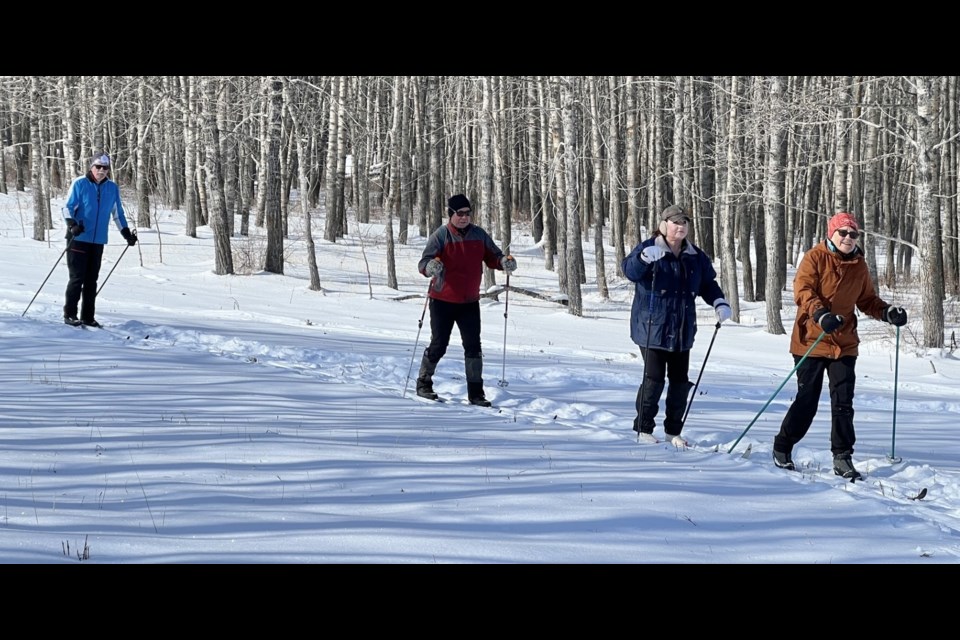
{"type": "Point", "coordinates": [555, 298]}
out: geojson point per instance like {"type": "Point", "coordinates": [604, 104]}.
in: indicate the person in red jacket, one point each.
{"type": "Point", "coordinates": [831, 281]}
{"type": "Point", "coordinates": [453, 258]}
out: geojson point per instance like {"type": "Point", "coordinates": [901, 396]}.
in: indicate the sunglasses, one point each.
{"type": "Point", "coordinates": [844, 233]}
{"type": "Point", "coordinates": [463, 214]}
{"type": "Point", "coordinates": [102, 166]}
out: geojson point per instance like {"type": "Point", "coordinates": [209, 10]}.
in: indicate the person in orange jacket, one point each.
{"type": "Point", "coordinates": [831, 280]}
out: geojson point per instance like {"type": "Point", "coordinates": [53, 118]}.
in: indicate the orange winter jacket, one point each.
{"type": "Point", "coordinates": [828, 280]}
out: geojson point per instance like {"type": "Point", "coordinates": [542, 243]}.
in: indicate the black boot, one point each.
{"type": "Point", "coordinates": [843, 466]}
{"type": "Point", "coordinates": [70, 317]}
{"type": "Point", "coordinates": [784, 460]}
{"type": "Point", "coordinates": [475, 394]}
{"type": "Point", "coordinates": [474, 371]}
{"type": "Point", "coordinates": [425, 379]}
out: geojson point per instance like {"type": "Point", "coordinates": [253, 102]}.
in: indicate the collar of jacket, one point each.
{"type": "Point", "coordinates": [687, 246]}
{"type": "Point", "coordinates": [853, 255]}
{"type": "Point", "coordinates": [459, 232]}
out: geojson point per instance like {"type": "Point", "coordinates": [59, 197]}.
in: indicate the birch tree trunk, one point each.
{"type": "Point", "coordinates": [871, 200]}
{"type": "Point", "coordinates": [948, 176]}
{"type": "Point", "coordinates": [190, 154]}
{"type": "Point", "coordinates": [575, 267]}
{"type": "Point", "coordinates": [926, 143]}
{"type": "Point", "coordinates": [560, 186]}
{"type": "Point", "coordinates": [143, 186]}
{"type": "Point", "coordinates": [773, 209]}
{"type": "Point", "coordinates": [728, 260]}
{"type": "Point", "coordinates": [41, 205]}
{"type": "Point", "coordinates": [404, 174]}
{"type": "Point", "coordinates": [391, 205]}
{"type": "Point", "coordinates": [597, 153]}
{"type": "Point", "coordinates": [503, 218]}
{"type": "Point", "coordinates": [435, 203]}
{"type": "Point", "coordinates": [534, 187]}
{"type": "Point", "coordinates": [630, 153]}
{"type": "Point", "coordinates": [484, 214]}
{"type": "Point", "coordinates": [172, 160]}
{"type": "Point", "coordinates": [264, 147]}
{"type": "Point", "coordinates": [299, 136]}
{"type": "Point", "coordinates": [705, 164]}
{"type": "Point", "coordinates": [273, 213]}
{"type": "Point", "coordinates": [547, 160]}
{"type": "Point", "coordinates": [617, 222]}
{"type": "Point", "coordinates": [69, 116]}
{"type": "Point", "coordinates": [228, 153]}
{"type": "Point", "coordinates": [213, 174]}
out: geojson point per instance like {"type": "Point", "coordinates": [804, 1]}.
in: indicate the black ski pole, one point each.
{"type": "Point", "coordinates": [47, 278]}
{"type": "Point", "coordinates": [796, 366]}
{"type": "Point", "coordinates": [896, 375]}
{"type": "Point", "coordinates": [646, 352]}
{"type": "Point", "coordinates": [417, 341]}
{"type": "Point", "coordinates": [694, 395]}
{"type": "Point", "coordinates": [506, 304]}
{"type": "Point", "coordinates": [112, 268]}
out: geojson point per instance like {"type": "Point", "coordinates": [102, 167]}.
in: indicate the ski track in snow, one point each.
{"type": "Point", "coordinates": [891, 481]}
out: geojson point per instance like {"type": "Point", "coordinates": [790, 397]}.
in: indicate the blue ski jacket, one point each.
{"type": "Point", "coordinates": [93, 205]}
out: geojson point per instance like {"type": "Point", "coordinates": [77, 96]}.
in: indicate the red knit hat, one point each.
{"type": "Point", "coordinates": [842, 219]}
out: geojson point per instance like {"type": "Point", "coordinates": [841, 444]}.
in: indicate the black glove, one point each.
{"type": "Point", "coordinates": [897, 316]}
{"type": "Point", "coordinates": [74, 228]}
{"type": "Point", "coordinates": [829, 322]}
{"type": "Point", "coordinates": [131, 238]}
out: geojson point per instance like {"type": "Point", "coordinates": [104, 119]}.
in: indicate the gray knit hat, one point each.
{"type": "Point", "coordinates": [101, 159]}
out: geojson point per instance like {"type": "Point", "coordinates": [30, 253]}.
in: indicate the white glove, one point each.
{"type": "Point", "coordinates": [722, 309]}
{"type": "Point", "coordinates": [508, 263]}
{"type": "Point", "coordinates": [651, 254]}
{"type": "Point", "coordinates": [434, 268]}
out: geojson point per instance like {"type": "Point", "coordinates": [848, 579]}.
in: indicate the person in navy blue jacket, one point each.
{"type": "Point", "coordinates": [670, 273]}
{"type": "Point", "coordinates": [93, 201]}
{"type": "Point", "coordinates": [453, 258]}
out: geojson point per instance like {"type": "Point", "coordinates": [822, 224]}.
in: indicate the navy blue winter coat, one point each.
{"type": "Point", "coordinates": [674, 282]}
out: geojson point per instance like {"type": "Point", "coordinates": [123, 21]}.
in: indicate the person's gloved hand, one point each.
{"type": "Point", "coordinates": [897, 316]}
{"type": "Point", "coordinates": [651, 254]}
{"type": "Point", "coordinates": [722, 309]}
{"type": "Point", "coordinates": [829, 322]}
{"type": "Point", "coordinates": [434, 268]}
{"type": "Point", "coordinates": [509, 264]}
{"type": "Point", "coordinates": [74, 227]}
{"type": "Point", "coordinates": [131, 238]}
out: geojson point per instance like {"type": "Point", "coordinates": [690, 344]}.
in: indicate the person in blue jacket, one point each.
{"type": "Point", "coordinates": [670, 273]}
{"type": "Point", "coordinates": [93, 201]}
{"type": "Point", "coordinates": [453, 259]}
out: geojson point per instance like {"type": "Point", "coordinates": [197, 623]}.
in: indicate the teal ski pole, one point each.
{"type": "Point", "coordinates": [797, 366]}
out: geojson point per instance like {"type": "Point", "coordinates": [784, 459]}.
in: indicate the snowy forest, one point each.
{"type": "Point", "coordinates": [760, 162]}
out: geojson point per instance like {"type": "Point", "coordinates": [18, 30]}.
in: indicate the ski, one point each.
{"type": "Point", "coordinates": [438, 399]}
{"type": "Point", "coordinates": [920, 496]}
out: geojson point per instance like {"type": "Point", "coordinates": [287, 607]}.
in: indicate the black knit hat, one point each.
{"type": "Point", "coordinates": [457, 202]}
